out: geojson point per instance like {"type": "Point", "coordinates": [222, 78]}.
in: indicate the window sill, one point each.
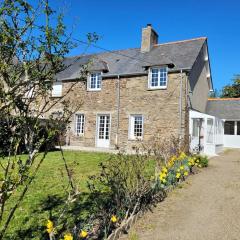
{"type": "Point", "coordinates": [94, 90]}
{"type": "Point", "coordinates": [79, 135]}
{"type": "Point", "coordinates": [59, 96]}
{"type": "Point", "coordinates": [135, 139]}
{"type": "Point", "coordinates": [156, 88]}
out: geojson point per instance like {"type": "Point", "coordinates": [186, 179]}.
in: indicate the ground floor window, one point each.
{"type": "Point", "coordinates": [79, 124]}
{"type": "Point", "coordinates": [238, 127]}
{"type": "Point", "coordinates": [136, 127]}
{"type": "Point", "coordinates": [232, 128]}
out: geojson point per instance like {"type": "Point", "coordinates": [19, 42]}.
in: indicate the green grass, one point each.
{"type": "Point", "coordinates": [47, 193]}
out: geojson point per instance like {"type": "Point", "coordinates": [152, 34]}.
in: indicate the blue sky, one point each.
{"type": "Point", "coordinates": [119, 24]}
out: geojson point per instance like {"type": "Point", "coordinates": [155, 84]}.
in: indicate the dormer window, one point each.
{"type": "Point", "coordinates": [95, 81]}
{"type": "Point", "coordinates": [158, 78]}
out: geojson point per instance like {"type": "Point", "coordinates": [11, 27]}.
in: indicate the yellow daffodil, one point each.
{"type": "Point", "coordinates": [182, 167]}
{"type": "Point", "coordinates": [163, 175]}
{"type": "Point", "coordinates": [182, 155]}
{"type": "Point", "coordinates": [83, 234]}
{"type": "Point", "coordinates": [164, 169]}
{"type": "Point", "coordinates": [185, 173]}
{"type": "Point", "coordinates": [113, 219]}
{"type": "Point", "coordinates": [164, 181]}
{"type": "Point", "coordinates": [169, 164]}
{"type": "Point", "coordinates": [49, 226]}
{"type": "Point", "coordinates": [178, 170]}
{"type": "Point", "coordinates": [68, 236]}
{"type": "Point", "coordinates": [178, 175]}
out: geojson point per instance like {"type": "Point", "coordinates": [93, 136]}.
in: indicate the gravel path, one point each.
{"type": "Point", "coordinates": [206, 207]}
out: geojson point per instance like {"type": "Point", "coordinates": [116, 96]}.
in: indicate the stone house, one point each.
{"type": "Point", "coordinates": [131, 95]}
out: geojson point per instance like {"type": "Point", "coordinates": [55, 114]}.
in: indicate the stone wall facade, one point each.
{"type": "Point", "coordinates": [125, 96]}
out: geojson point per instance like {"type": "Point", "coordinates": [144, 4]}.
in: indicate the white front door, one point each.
{"type": "Point", "coordinates": [103, 130]}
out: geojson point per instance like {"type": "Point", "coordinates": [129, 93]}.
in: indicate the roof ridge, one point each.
{"type": "Point", "coordinates": [181, 41]}
{"type": "Point", "coordinates": [223, 99]}
{"type": "Point", "coordinates": [136, 48]}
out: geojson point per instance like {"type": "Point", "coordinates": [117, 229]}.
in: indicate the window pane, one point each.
{"type": "Point", "coordinates": [238, 127]}
{"type": "Point", "coordinates": [229, 128]}
{"type": "Point", "coordinates": [195, 128]}
{"type": "Point", "coordinates": [101, 127]}
{"type": "Point", "coordinates": [107, 127]}
{"type": "Point", "coordinates": [99, 80]}
{"type": "Point", "coordinates": [210, 130]}
{"type": "Point", "coordinates": [80, 123]}
{"type": "Point", "coordinates": [138, 126]}
{"type": "Point", "coordinates": [154, 79]}
{"type": "Point", "coordinates": [95, 81]}
{"type": "Point", "coordinates": [159, 77]}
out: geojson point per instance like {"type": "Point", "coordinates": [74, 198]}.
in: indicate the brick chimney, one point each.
{"type": "Point", "coordinates": [149, 38]}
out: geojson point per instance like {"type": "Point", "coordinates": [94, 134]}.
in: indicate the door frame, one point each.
{"type": "Point", "coordinates": [97, 127]}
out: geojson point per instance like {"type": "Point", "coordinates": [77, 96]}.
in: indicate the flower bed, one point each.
{"type": "Point", "coordinates": [124, 190]}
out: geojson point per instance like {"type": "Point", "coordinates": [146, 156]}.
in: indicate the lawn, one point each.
{"type": "Point", "coordinates": [47, 193]}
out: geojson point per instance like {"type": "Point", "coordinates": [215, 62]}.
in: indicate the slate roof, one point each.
{"type": "Point", "coordinates": [228, 109]}
{"type": "Point", "coordinates": [132, 61]}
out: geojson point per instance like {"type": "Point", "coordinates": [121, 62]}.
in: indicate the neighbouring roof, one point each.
{"type": "Point", "coordinates": [224, 108]}
{"type": "Point", "coordinates": [181, 54]}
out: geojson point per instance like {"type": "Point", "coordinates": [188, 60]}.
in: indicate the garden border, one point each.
{"type": "Point", "coordinates": [132, 219]}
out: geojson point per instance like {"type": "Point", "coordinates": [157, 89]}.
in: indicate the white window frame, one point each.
{"type": "Point", "coordinates": [89, 87]}
{"type": "Point", "coordinates": [57, 89]}
{"type": "Point", "coordinates": [210, 131]}
{"type": "Point", "coordinates": [159, 78]}
{"type": "Point", "coordinates": [131, 130]}
{"type": "Point", "coordinates": [81, 126]}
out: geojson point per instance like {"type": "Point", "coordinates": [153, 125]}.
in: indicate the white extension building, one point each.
{"type": "Point", "coordinates": [216, 129]}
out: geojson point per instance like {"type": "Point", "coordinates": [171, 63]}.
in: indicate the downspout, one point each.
{"type": "Point", "coordinates": [118, 110]}
{"type": "Point", "coordinates": [180, 105]}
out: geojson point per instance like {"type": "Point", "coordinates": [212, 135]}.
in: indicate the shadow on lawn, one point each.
{"type": "Point", "coordinates": [52, 206]}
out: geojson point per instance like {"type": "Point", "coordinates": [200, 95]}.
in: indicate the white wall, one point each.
{"type": "Point", "coordinates": [231, 141]}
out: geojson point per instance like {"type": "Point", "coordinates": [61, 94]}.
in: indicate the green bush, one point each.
{"type": "Point", "coordinates": [203, 160]}
{"type": "Point", "coordinates": [123, 188]}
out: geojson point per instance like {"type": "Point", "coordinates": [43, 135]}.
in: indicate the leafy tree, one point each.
{"type": "Point", "coordinates": [33, 45]}
{"type": "Point", "coordinates": [233, 90]}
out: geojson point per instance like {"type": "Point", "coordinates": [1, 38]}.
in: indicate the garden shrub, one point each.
{"type": "Point", "coordinates": [125, 185]}
{"type": "Point", "coordinates": [202, 160]}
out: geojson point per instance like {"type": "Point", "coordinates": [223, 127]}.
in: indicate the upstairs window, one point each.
{"type": "Point", "coordinates": [57, 89]}
{"type": "Point", "coordinates": [95, 81]}
{"type": "Point", "coordinates": [79, 124]}
{"type": "Point", "coordinates": [158, 78]}
{"type": "Point", "coordinates": [136, 127]}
